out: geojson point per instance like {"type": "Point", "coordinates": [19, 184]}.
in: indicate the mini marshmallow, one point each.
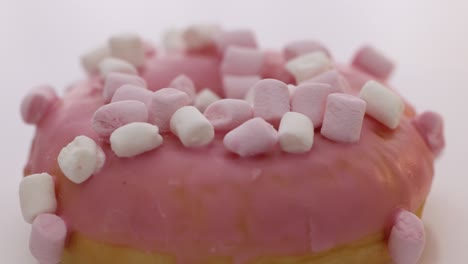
{"type": "Point", "coordinates": [204, 98]}
{"type": "Point", "coordinates": [407, 238]}
{"type": "Point", "coordinates": [150, 49]}
{"type": "Point", "coordinates": [37, 196]}
{"type": "Point", "coordinates": [80, 159]}
{"type": "Point", "coordinates": [128, 47]}
{"type": "Point", "coordinates": [431, 127]}
{"type": "Point", "coordinates": [237, 87]}
{"type": "Point", "coordinates": [132, 92]}
{"type": "Point", "coordinates": [308, 65]}
{"type": "Point", "coordinates": [115, 80]}
{"type": "Point", "coordinates": [274, 67]}
{"type": "Point", "coordinates": [343, 118]}
{"type": "Point", "coordinates": [227, 114]}
{"type": "Point", "coordinates": [192, 127]}
{"type": "Point", "coordinates": [296, 133]}
{"type": "Point", "coordinates": [271, 100]}
{"type": "Point", "coordinates": [47, 239]}
{"type": "Point", "coordinates": [184, 84]}
{"type": "Point", "coordinates": [310, 99]}
{"type": "Point", "coordinates": [374, 62]}
{"type": "Point", "coordinates": [197, 37]}
{"type": "Point", "coordinates": [173, 40]}
{"type": "Point", "coordinates": [383, 104]}
{"type": "Point", "coordinates": [333, 78]}
{"type": "Point", "coordinates": [253, 137]}
{"type": "Point", "coordinates": [35, 105]}
{"type": "Point", "coordinates": [134, 139]}
{"type": "Point", "coordinates": [242, 61]}
{"type": "Point", "coordinates": [301, 47]}
{"type": "Point", "coordinates": [91, 60]}
{"type": "Point", "coordinates": [242, 38]}
{"type": "Point", "coordinates": [112, 116]}
{"type": "Point", "coordinates": [163, 105]}
{"type": "Point", "coordinates": [109, 65]}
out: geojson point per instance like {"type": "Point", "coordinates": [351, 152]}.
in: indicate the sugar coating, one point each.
{"type": "Point", "coordinates": [253, 137]}
{"type": "Point", "coordinates": [128, 47]}
{"type": "Point", "coordinates": [407, 238]}
{"type": "Point", "coordinates": [296, 133]}
{"type": "Point", "coordinates": [37, 196]}
{"type": "Point", "coordinates": [91, 59]}
{"type": "Point", "coordinates": [383, 104]}
{"type": "Point", "coordinates": [227, 114]}
{"type": "Point", "coordinates": [80, 159]}
{"type": "Point", "coordinates": [343, 118]}
{"type": "Point", "coordinates": [192, 127]}
{"type": "Point", "coordinates": [237, 87]}
{"type": "Point", "coordinates": [308, 65]}
{"type": "Point", "coordinates": [204, 98]}
{"type": "Point", "coordinates": [270, 100]}
{"type": "Point", "coordinates": [373, 62]}
{"type": "Point", "coordinates": [111, 64]}
{"type": "Point", "coordinates": [310, 99]}
{"type": "Point", "coordinates": [115, 80]}
{"type": "Point", "coordinates": [242, 61]}
{"type": "Point", "coordinates": [134, 139]}
{"type": "Point", "coordinates": [47, 239]}
{"type": "Point", "coordinates": [132, 92]}
{"type": "Point", "coordinates": [36, 104]}
{"type": "Point", "coordinates": [163, 104]}
{"type": "Point", "coordinates": [114, 115]}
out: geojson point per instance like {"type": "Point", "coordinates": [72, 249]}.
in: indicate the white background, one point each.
{"type": "Point", "coordinates": [40, 42]}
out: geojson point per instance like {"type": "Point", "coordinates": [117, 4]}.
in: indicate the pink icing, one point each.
{"type": "Point", "coordinates": [195, 203]}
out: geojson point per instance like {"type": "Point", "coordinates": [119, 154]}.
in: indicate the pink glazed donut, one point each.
{"type": "Point", "coordinates": [151, 163]}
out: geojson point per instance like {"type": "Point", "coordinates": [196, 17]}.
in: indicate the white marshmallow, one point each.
{"type": "Point", "coordinates": [37, 196]}
{"type": "Point", "coordinates": [109, 65]}
{"type": "Point", "coordinates": [90, 60]}
{"type": "Point", "coordinates": [135, 138]}
{"type": "Point", "coordinates": [204, 98]}
{"type": "Point", "coordinates": [80, 159]}
{"type": "Point", "coordinates": [383, 104]}
{"type": "Point", "coordinates": [296, 133]}
{"type": "Point", "coordinates": [308, 65]}
{"type": "Point", "coordinates": [192, 127]}
{"type": "Point", "coordinates": [200, 36]}
{"type": "Point", "coordinates": [173, 40]}
{"type": "Point", "coordinates": [128, 47]}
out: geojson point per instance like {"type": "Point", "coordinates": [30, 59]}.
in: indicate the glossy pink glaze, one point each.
{"type": "Point", "coordinates": [196, 203]}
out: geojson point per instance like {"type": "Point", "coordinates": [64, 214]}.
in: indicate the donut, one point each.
{"type": "Point", "coordinates": [210, 150]}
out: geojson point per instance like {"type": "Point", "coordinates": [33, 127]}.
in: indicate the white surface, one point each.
{"type": "Point", "coordinates": [41, 41]}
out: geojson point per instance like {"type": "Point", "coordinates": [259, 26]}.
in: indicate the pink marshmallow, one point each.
{"type": "Point", "coordinates": [372, 61]}
{"type": "Point", "coordinates": [343, 118]}
{"type": "Point", "coordinates": [310, 99]}
{"type": "Point", "coordinates": [274, 67]}
{"type": "Point", "coordinates": [132, 92]}
{"type": "Point", "coordinates": [243, 38]}
{"type": "Point", "coordinates": [149, 48]}
{"type": "Point", "coordinates": [431, 127]}
{"type": "Point", "coordinates": [271, 100]}
{"type": "Point", "coordinates": [112, 116]}
{"type": "Point", "coordinates": [184, 84]}
{"type": "Point", "coordinates": [253, 137]}
{"type": "Point", "coordinates": [333, 78]}
{"type": "Point", "coordinates": [47, 240]}
{"type": "Point", "coordinates": [242, 61]}
{"type": "Point", "coordinates": [36, 103]}
{"type": "Point", "coordinates": [227, 114]}
{"type": "Point", "coordinates": [164, 103]}
{"type": "Point", "coordinates": [301, 47]}
{"type": "Point", "coordinates": [407, 238]}
{"type": "Point", "coordinates": [115, 80]}
{"type": "Point", "coordinates": [237, 87]}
